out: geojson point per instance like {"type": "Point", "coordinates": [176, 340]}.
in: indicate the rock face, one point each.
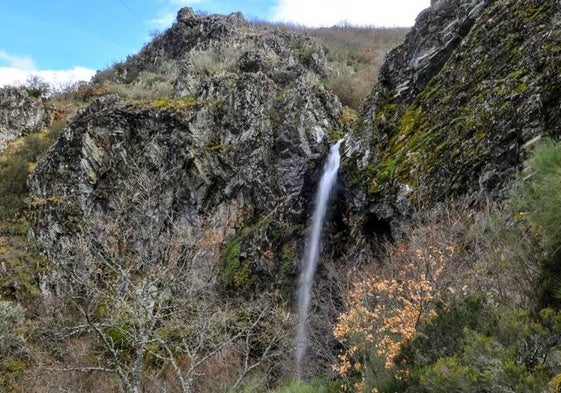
{"type": "Point", "coordinates": [20, 113]}
{"type": "Point", "coordinates": [237, 146]}
{"type": "Point", "coordinates": [235, 155]}
{"type": "Point", "coordinates": [198, 48]}
{"type": "Point", "coordinates": [438, 31]}
{"type": "Point", "coordinates": [458, 104]}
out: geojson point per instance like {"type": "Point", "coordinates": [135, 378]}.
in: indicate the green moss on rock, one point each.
{"type": "Point", "coordinates": [466, 128]}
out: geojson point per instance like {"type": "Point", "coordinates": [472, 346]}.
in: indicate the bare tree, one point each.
{"type": "Point", "coordinates": [139, 291]}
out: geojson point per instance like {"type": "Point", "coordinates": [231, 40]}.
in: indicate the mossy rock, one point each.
{"type": "Point", "coordinates": [260, 256]}
{"type": "Point", "coordinates": [465, 130]}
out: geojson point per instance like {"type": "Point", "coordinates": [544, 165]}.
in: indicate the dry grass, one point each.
{"type": "Point", "coordinates": [359, 52]}
{"type": "Point", "coordinates": [356, 54]}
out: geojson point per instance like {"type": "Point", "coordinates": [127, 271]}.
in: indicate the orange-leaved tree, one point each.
{"type": "Point", "coordinates": [384, 309]}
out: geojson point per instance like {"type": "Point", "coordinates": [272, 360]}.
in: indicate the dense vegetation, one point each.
{"type": "Point", "coordinates": [468, 301]}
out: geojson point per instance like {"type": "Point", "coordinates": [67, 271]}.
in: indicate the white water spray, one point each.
{"type": "Point", "coordinates": [326, 184]}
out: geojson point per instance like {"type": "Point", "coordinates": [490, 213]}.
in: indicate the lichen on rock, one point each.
{"type": "Point", "coordinates": [458, 102]}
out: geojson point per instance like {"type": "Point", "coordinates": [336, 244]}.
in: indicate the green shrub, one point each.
{"type": "Point", "coordinates": [12, 346]}
{"type": "Point", "coordinates": [12, 316]}
{"type": "Point", "coordinates": [447, 375]}
{"type": "Point", "coordinates": [538, 199]}
{"type": "Point", "coordinates": [35, 145]}
{"type": "Point", "coordinates": [15, 168]}
{"type": "Point", "coordinates": [507, 257]}
{"type": "Point", "coordinates": [497, 350]}
{"type": "Point", "coordinates": [539, 194]}
{"type": "Point", "coordinates": [486, 364]}
{"type": "Point", "coordinates": [237, 272]}
{"type": "Point", "coordinates": [214, 61]}
{"type": "Point", "coordinates": [21, 263]}
{"type": "Point", "coordinates": [147, 86]}
{"type": "Point", "coordinates": [13, 188]}
{"type": "Point", "coordinates": [442, 337]}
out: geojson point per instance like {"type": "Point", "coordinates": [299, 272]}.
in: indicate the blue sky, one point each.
{"type": "Point", "coordinates": [69, 39]}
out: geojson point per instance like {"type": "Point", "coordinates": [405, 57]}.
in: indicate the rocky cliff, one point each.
{"type": "Point", "coordinates": [21, 112]}
{"type": "Point", "coordinates": [235, 151]}
{"type": "Point", "coordinates": [475, 84]}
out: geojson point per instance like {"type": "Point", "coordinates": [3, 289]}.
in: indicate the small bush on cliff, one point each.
{"type": "Point", "coordinates": [11, 318]}
{"type": "Point", "coordinates": [15, 165]}
{"type": "Point", "coordinates": [13, 174]}
{"type": "Point", "coordinates": [214, 61]}
{"type": "Point", "coordinates": [20, 262]}
{"type": "Point", "coordinates": [147, 86]}
{"type": "Point", "coordinates": [12, 346]}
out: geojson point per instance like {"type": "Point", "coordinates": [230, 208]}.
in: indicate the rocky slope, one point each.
{"type": "Point", "coordinates": [475, 84]}
{"type": "Point", "coordinates": [21, 112]}
{"type": "Point", "coordinates": [235, 151]}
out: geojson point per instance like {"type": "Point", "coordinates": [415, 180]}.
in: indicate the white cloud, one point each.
{"type": "Point", "coordinates": [12, 76]}
{"type": "Point", "coordinates": [60, 78]}
{"type": "Point", "coordinates": [15, 61]}
{"type": "Point", "coordinates": [356, 12]}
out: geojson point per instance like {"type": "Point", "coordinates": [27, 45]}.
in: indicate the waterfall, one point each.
{"type": "Point", "coordinates": [311, 256]}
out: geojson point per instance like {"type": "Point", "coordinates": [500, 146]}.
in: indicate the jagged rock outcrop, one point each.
{"type": "Point", "coordinates": [234, 155]}
{"type": "Point", "coordinates": [197, 48]}
{"type": "Point", "coordinates": [475, 84]}
{"type": "Point", "coordinates": [20, 113]}
{"type": "Point", "coordinates": [438, 31]}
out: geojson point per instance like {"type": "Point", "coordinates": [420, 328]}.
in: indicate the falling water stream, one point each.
{"type": "Point", "coordinates": [311, 256]}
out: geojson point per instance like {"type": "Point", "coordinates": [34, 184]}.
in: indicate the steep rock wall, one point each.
{"type": "Point", "coordinates": [475, 84]}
